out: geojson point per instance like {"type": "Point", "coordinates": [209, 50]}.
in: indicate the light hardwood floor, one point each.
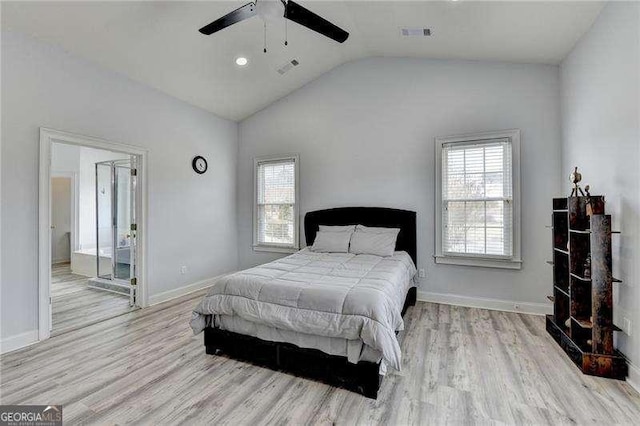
{"type": "Point", "coordinates": [75, 304]}
{"type": "Point", "coordinates": [460, 366]}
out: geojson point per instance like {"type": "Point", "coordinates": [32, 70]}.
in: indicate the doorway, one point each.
{"type": "Point", "coordinates": [92, 216]}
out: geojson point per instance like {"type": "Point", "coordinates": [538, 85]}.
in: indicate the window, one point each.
{"type": "Point", "coordinates": [477, 200]}
{"type": "Point", "coordinates": [275, 222]}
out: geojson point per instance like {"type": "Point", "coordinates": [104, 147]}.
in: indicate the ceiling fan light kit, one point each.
{"type": "Point", "coordinates": [270, 11]}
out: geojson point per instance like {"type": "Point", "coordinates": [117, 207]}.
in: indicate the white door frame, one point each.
{"type": "Point", "coordinates": [74, 208]}
{"type": "Point", "coordinates": [47, 138]}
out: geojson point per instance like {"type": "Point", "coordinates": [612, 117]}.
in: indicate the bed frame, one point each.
{"type": "Point", "coordinates": [363, 377]}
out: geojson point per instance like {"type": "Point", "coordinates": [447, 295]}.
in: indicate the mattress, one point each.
{"type": "Point", "coordinates": [334, 295]}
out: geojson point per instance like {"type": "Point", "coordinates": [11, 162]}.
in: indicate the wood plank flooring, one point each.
{"type": "Point", "coordinates": [75, 304]}
{"type": "Point", "coordinates": [460, 366]}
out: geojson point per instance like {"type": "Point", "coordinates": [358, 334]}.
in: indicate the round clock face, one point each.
{"type": "Point", "coordinates": [199, 164]}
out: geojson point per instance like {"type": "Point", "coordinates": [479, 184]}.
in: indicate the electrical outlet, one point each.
{"type": "Point", "coordinates": [626, 326]}
{"type": "Point", "coordinates": [183, 270]}
{"type": "Point", "coordinates": [421, 273]}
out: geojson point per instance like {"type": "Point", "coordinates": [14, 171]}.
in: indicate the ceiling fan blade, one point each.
{"type": "Point", "coordinates": [307, 18]}
{"type": "Point", "coordinates": [240, 14]}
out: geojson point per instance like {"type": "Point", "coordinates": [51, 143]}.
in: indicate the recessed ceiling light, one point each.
{"type": "Point", "coordinates": [242, 61]}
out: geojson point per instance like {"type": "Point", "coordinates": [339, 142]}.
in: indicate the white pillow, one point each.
{"type": "Point", "coordinates": [379, 244]}
{"type": "Point", "coordinates": [331, 242]}
{"type": "Point", "coordinates": [340, 228]}
{"type": "Point", "coordinates": [374, 230]}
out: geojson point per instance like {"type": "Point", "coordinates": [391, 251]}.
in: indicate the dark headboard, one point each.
{"type": "Point", "coordinates": [367, 216]}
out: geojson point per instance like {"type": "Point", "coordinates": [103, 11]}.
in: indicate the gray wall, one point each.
{"type": "Point", "coordinates": [365, 134]}
{"type": "Point", "coordinates": [601, 135]}
{"type": "Point", "coordinates": [192, 218]}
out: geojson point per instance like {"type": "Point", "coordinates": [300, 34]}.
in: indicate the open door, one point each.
{"type": "Point", "coordinates": [133, 273]}
{"type": "Point", "coordinates": [125, 226]}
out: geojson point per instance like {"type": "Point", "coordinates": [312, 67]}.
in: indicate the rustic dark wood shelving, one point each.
{"type": "Point", "coordinates": [586, 231]}
{"type": "Point", "coordinates": [584, 323]}
{"type": "Point", "coordinates": [578, 277]}
{"type": "Point", "coordinates": [582, 320]}
{"type": "Point", "coordinates": [563, 291]}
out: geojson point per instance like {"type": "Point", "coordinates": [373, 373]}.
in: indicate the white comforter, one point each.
{"type": "Point", "coordinates": [327, 294]}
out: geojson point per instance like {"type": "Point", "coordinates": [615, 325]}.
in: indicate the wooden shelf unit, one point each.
{"type": "Point", "coordinates": [582, 320]}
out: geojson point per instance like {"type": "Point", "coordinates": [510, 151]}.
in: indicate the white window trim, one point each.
{"type": "Point", "coordinates": [488, 261]}
{"type": "Point", "coordinates": [277, 248]}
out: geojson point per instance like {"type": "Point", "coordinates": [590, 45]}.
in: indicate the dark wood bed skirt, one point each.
{"type": "Point", "coordinates": [363, 377]}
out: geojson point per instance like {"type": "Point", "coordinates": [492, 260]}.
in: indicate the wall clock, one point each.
{"type": "Point", "coordinates": [199, 164]}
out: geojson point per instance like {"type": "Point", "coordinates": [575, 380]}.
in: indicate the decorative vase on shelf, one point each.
{"type": "Point", "coordinates": [587, 268]}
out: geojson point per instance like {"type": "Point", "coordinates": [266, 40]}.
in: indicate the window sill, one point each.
{"type": "Point", "coordinates": [479, 262]}
{"type": "Point", "coordinates": [275, 249]}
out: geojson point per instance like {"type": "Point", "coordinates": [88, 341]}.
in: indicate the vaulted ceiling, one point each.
{"type": "Point", "coordinates": [158, 43]}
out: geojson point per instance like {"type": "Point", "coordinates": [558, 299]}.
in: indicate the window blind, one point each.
{"type": "Point", "coordinates": [275, 204]}
{"type": "Point", "coordinates": [477, 198]}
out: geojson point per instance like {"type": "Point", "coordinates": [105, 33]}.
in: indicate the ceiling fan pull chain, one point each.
{"type": "Point", "coordinates": [286, 37]}
{"type": "Point", "coordinates": [265, 36]}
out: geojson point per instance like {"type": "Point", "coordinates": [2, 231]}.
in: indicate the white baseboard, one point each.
{"type": "Point", "coordinates": [634, 377]}
{"type": "Point", "coordinates": [486, 303]}
{"type": "Point", "coordinates": [18, 341]}
{"type": "Point", "coordinates": [154, 299]}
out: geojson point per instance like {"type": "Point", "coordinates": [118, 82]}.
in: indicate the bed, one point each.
{"type": "Point", "coordinates": [327, 316]}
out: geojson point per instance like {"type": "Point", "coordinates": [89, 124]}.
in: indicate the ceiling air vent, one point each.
{"type": "Point", "coordinates": [286, 67]}
{"type": "Point", "coordinates": [415, 32]}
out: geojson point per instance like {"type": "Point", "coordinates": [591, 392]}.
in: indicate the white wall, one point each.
{"type": "Point", "coordinates": [192, 218]}
{"type": "Point", "coordinates": [601, 135]}
{"type": "Point", "coordinates": [365, 133]}
{"type": "Point", "coordinates": [65, 158]}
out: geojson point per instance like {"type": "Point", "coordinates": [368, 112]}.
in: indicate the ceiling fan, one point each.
{"type": "Point", "coordinates": [269, 9]}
